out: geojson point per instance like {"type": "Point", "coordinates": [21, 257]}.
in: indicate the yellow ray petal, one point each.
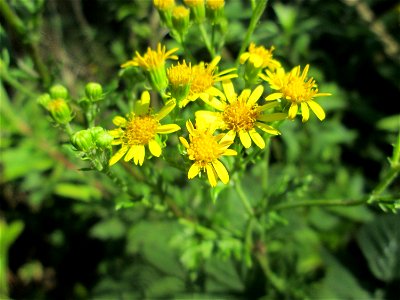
{"type": "Point", "coordinates": [245, 56]}
{"type": "Point", "coordinates": [255, 95]}
{"type": "Point", "coordinates": [229, 152]}
{"type": "Point", "coordinates": [293, 110]}
{"type": "Point", "coordinates": [117, 156]}
{"type": "Point", "coordinates": [221, 171]}
{"type": "Point", "coordinates": [168, 107]}
{"type": "Point", "coordinates": [214, 102]}
{"type": "Point", "coordinates": [184, 142]}
{"type": "Point", "coordinates": [267, 128]}
{"type": "Point", "coordinates": [245, 138]}
{"type": "Point", "coordinates": [211, 175]}
{"type": "Point", "coordinates": [142, 106]}
{"type": "Point", "coordinates": [229, 90]}
{"type": "Point", "coordinates": [119, 121]}
{"type": "Point", "coordinates": [130, 154]}
{"type": "Point", "coordinates": [215, 92]}
{"type": "Point", "coordinates": [317, 109]}
{"type": "Point", "coordinates": [193, 171]}
{"type": "Point", "coordinates": [139, 154]}
{"type": "Point", "coordinates": [167, 128]}
{"type": "Point", "coordinates": [190, 127]}
{"type": "Point", "coordinates": [155, 148]}
{"type": "Point", "coordinates": [273, 96]}
{"type": "Point", "coordinates": [257, 138]}
{"type": "Point", "coordinates": [305, 112]}
{"type": "Point", "coordinates": [230, 136]}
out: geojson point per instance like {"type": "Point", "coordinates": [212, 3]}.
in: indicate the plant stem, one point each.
{"type": "Point", "coordinates": [243, 198]}
{"type": "Point", "coordinates": [257, 13]}
{"type": "Point", "coordinates": [206, 39]}
{"type": "Point", "coordinates": [277, 282]}
{"type": "Point", "coordinates": [335, 202]}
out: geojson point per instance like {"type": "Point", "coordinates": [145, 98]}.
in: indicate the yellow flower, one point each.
{"type": "Point", "coordinates": [298, 90]}
{"type": "Point", "coordinates": [204, 77]}
{"type": "Point", "coordinates": [215, 4]}
{"type": "Point", "coordinates": [140, 129]}
{"type": "Point", "coordinates": [205, 149]}
{"type": "Point", "coordinates": [260, 57]}
{"type": "Point", "coordinates": [241, 115]}
{"type": "Point", "coordinates": [164, 4]}
{"type": "Point", "coordinates": [153, 61]}
{"type": "Point", "coordinates": [180, 78]}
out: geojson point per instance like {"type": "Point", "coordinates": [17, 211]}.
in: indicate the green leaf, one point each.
{"type": "Point", "coordinates": [380, 243]}
{"type": "Point", "coordinates": [108, 229]}
{"type": "Point", "coordinates": [391, 123]}
{"type": "Point", "coordinates": [77, 191]}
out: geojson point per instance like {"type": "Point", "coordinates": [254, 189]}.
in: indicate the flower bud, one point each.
{"type": "Point", "coordinates": [180, 78]}
{"type": "Point", "coordinates": [60, 111]}
{"type": "Point", "coordinates": [215, 10]}
{"type": "Point", "coordinates": [180, 19]}
{"type": "Point", "coordinates": [197, 9]}
{"type": "Point", "coordinates": [94, 91]}
{"type": "Point", "coordinates": [164, 8]}
{"type": "Point", "coordinates": [44, 100]}
{"type": "Point", "coordinates": [82, 140]}
{"type": "Point", "coordinates": [58, 91]}
{"type": "Point", "coordinates": [104, 140]}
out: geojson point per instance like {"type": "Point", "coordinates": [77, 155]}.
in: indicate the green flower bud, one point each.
{"type": "Point", "coordinates": [180, 19]}
{"type": "Point", "coordinates": [58, 91]}
{"type": "Point", "coordinates": [82, 140]}
{"type": "Point", "coordinates": [60, 111]}
{"type": "Point", "coordinates": [104, 140]}
{"type": "Point", "coordinates": [94, 91]}
{"type": "Point", "coordinates": [197, 9]}
{"type": "Point", "coordinates": [215, 10]}
{"type": "Point", "coordinates": [44, 100]}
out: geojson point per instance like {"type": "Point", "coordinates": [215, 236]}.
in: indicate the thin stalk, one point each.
{"type": "Point", "coordinates": [272, 278]}
{"type": "Point", "coordinates": [257, 13]}
{"type": "Point", "coordinates": [243, 198]}
{"type": "Point", "coordinates": [206, 39]}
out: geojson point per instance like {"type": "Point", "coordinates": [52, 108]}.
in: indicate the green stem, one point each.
{"type": "Point", "coordinates": [257, 13]}
{"type": "Point", "coordinates": [69, 130]}
{"type": "Point", "coordinates": [243, 198]}
{"type": "Point", "coordinates": [277, 282]}
{"type": "Point", "coordinates": [206, 39]}
{"type": "Point", "coordinates": [335, 202]}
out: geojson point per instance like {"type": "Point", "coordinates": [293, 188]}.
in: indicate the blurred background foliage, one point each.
{"type": "Point", "coordinates": [69, 234]}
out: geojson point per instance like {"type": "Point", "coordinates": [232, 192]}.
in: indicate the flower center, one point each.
{"type": "Point", "coordinates": [202, 80]}
{"type": "Point", "coordinates": [238, 116]}
{"type": "Point", "coordinates": [180, 75]}
{"type": "Point", "coordinates": [203, 148]}
{"type": "Point", "coordinates": [164, 4]}
{"type": "Point", "coordinates": [140, 130]}
{"type": "Point", "coordinates": [299, 91]}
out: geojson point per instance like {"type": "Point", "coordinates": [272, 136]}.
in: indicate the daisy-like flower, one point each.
{"type": "Point", "coordinates": [298, 90]}
{"type": "Point", "coordinates": [205, 150]}
{"type": "Point", "coordinates": [153, 61]}
{"type": "Point", "coordinates": [260, 57]}
{"type": "Point", "coordinates": [204, 77]}
{"type": "Point", "coordinates": [241, 115]}
{"type": "Point", "coordinates": [141, 129]}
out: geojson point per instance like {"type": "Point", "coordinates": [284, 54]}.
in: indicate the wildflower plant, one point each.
{"type": "Point", "coordinates": [200, 131]}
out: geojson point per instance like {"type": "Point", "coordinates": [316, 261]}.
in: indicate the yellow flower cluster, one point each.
{"type": "Point", "coordinates": [227, 116]}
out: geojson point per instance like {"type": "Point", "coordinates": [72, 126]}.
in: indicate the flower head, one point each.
{"type": "Point", "coordinates": [215, 4]}
{"type": "Point", "coordinates": [164, 4]}
{"type": "Point", "coordinates": [141, 128]}
{"type": "Point", "coordinates": [204, 77]}
{"type": "Point", "coordinates": [260, 57]}
{"type": "Point", "coordinates": [241, 115]}
{"type": "Point", "coordinates": [297, 90]}
{"type": "Point", "coordinates": [205, 150]}
{"type": "Point", "coordinates": [180, 78]}
{"type": "Point", "coordinates": [153, 61]}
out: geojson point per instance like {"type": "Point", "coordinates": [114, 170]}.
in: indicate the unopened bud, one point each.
{"type": "Point", "coordinates": [44, 100]}
{"type": "Point", "coordinates": [180, 19]}
{"type": "Point", "coordinates": [60, 111]}
{"type": "Point", "coordinates": [82, 140]}
{"type": "Point", "coordinates": [58, 91]}
{"type": "Point", "coordinates": [197, 9]}
{"type": "Point", "coordinates": [94, 91]}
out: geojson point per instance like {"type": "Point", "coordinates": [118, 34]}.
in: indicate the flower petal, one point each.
{"type": "Point", "coordinates": [119, 121]}
{"type": "Point", "coordinates": [214, 102]}
{"type": "Point", "coordinates": [305, 112]}
{"type": "Point", "coordinates": [267, 128]}
{"type": "Point", "coordinates": [257, 139]}
{"type": "Point", "coordinates": [245, 56]}
{"type": "Point", "coordinates": [139, 154]}
{"type": "Point", "coordinates": [221, 171]}
{"type": "Point", "coordinates": [190, 127]}
{"type": "Point", "coordinates": [167, 128]}
{"type": "Point", "coordinates": [229, 90]}
{"type": "Point", "coordinates": [245, 138]}
{"type": "Point", "coordinates": [273, 96]}
{"type": "Point", "coordinates": [155, 148]}
{"type": "Point", "coordinates": [255, 95]}
{"type": "Point", "coordinates": [293, 110]}
{"type": "Point", "coordinates": [229, 136]}
{"type": "Point", "coordinates": [194, 170]}
{"type": "Point", "coordinates": [317, 109]}
{"type": "Point", "coordinates": [142, 106]}
{"type": "Point", "coordinates": [229, 152]}
{"type": "Point", "coordinates": [184, 142]}
{"type": "Point", "coordinates": [118, 155]}
{"type": "Point", "coordinates": [130, 154]}
{"type": "Point", "coordinates": [211, 175]}
{"type": "Point", "coordinates": [168, 107]}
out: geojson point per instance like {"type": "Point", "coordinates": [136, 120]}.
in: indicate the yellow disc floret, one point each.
{"type": "Point", "coordinates": [203, 149]}
{"type": "Point", "coordinates": [164, 4]}
{"type": "Point", "coordinates": [239, 116]}
{"type": "Point", "coordinates": [140, 130]}
{"type": "Point", "coordinates": [180, 74]}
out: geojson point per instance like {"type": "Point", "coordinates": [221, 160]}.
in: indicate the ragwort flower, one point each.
{"type": "Point", "coordinates": [205, 150]}
{"type": "Point", "coordinates": [297, 90]}
{"type": "Point", "coordinates": [153, 61]}
{"type": "Point", "coordinates": [241, 115]}
{"type": "Point", "coordinates": [141, 129]}
{"type": "Point", "coordinates": [204, 77]}
{"type": "Point", "coordinates": [260, 57]}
